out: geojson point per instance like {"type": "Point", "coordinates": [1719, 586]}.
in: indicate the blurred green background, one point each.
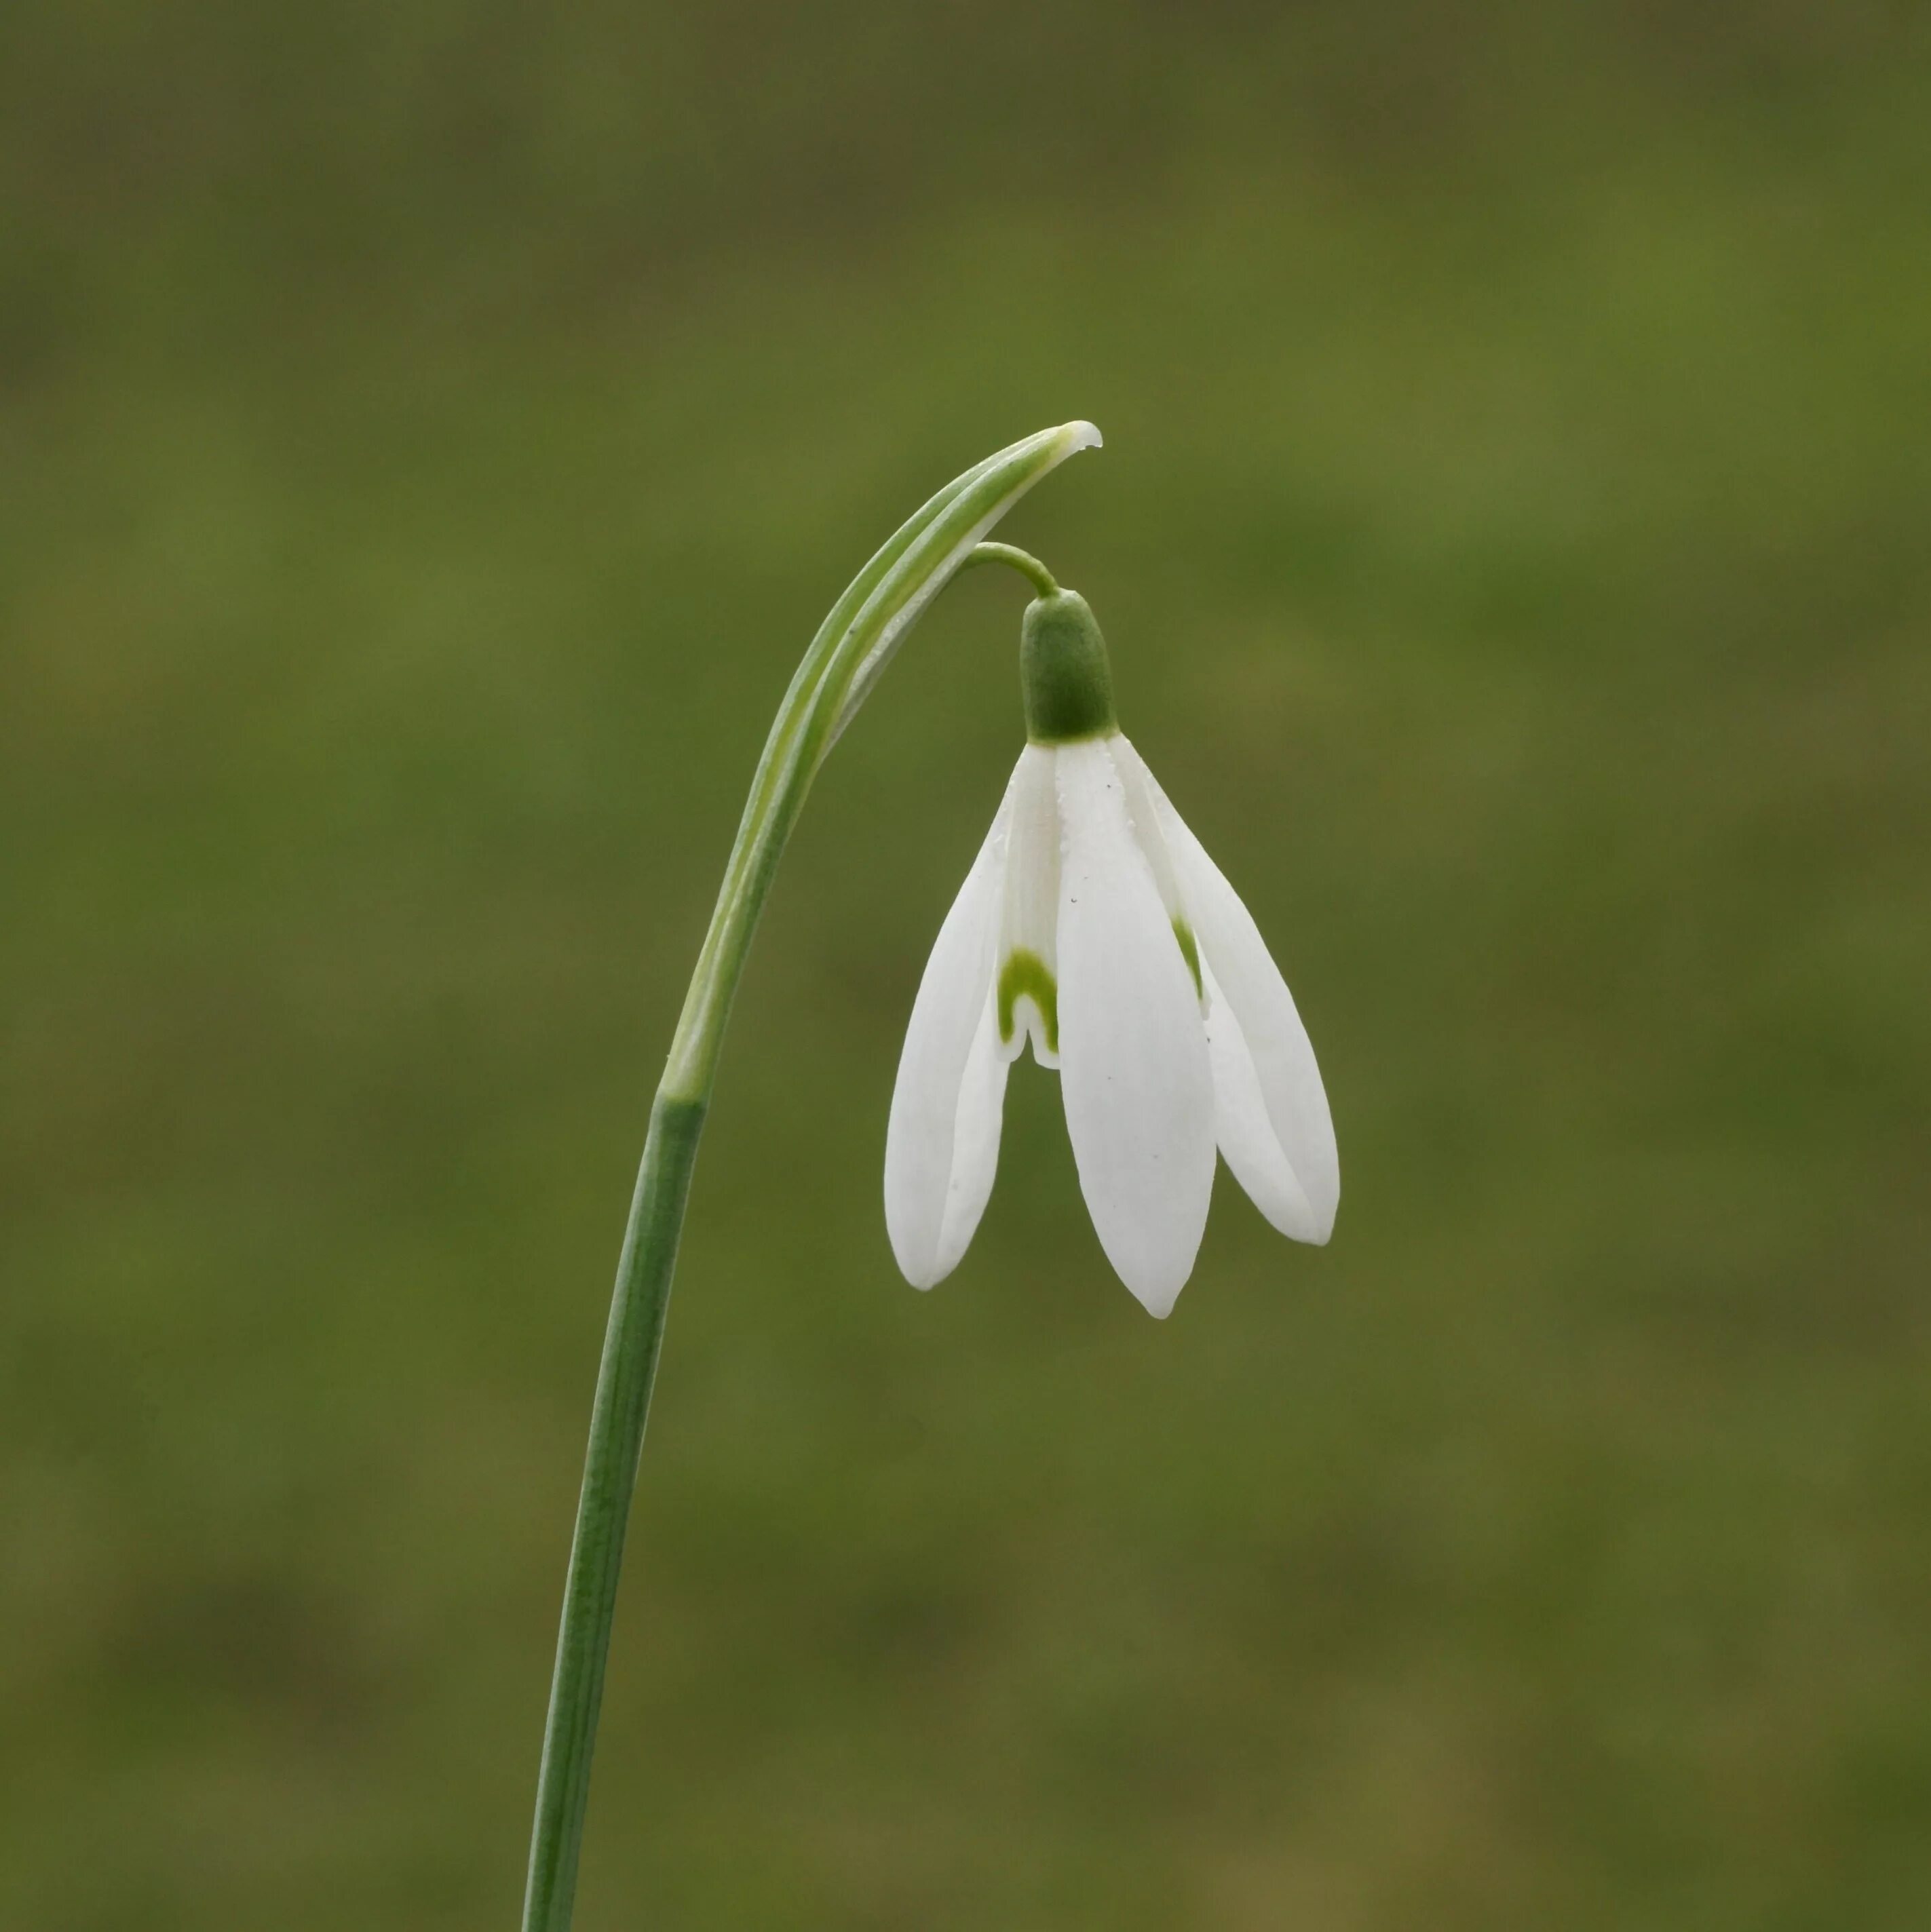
{"type": "Point", "coordinates": [428, 436]}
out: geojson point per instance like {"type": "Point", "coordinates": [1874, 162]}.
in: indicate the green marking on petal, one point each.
{"type": "Point", "coordinates": [1025, 975]}
{"type": "Point", "coordinates": [1190, 951]}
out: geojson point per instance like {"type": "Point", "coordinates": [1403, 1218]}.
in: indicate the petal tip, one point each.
{"type": "Point", "coordinates": [1324, 1212]}
{"type": "Point", "coordinates": [1082, 435]}
{"type": "Point", "coordinates": [1158, 1299]}
{"type": "Point", "coordinates": [922, 1267]}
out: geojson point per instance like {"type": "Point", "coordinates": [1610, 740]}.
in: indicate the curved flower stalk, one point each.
{"type": "Point", "coordinates": [1093, 926]}
{"type": "Point", "coordinates": [854, 644]}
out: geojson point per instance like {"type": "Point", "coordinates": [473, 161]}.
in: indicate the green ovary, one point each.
{"type": "Point", "coordinates": [1025, 975]}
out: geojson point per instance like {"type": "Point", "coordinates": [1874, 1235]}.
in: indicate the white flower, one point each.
{"type": "Point", "coordinates": [1093, 925]}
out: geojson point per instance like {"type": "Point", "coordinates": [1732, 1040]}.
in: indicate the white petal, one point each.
{"type": "Point", "coordinates": [1273, 1041]}
{"type": "Point", "coordinates": [975, 1142]}
{"type": "Point", "coordinates": [1143, 808]}
{"type": "Point", "coordinates": [1139, 1094]}
{"type": "Point", "coordinates": [1032, 916]}
{"type": "Point", "coordinates": [934, 1171]}
{"type": "Point", "coordinates": [1241, 1125]}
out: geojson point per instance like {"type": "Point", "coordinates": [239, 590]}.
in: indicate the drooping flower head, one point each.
{"type": "Point", "coordinates": [1093, 926]}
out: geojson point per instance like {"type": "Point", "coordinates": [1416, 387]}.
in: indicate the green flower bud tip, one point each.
{"type": "Point", "coordinates": [1064, 672]}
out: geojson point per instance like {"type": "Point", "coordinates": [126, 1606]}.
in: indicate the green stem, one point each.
{"type": "Point", "coordinates": [854, 644]}
{"type": "Point", "coordinates": [1024, 561]}
{"type": "Point", "coordinates": [631, 1343]}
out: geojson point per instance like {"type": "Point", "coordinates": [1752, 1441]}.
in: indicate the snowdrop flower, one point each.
{"type": "Point", "coordinates": [1093, 926]}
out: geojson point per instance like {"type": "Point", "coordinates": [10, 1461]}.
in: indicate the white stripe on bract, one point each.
{"type": "Point", "coordinates": [926, 1191]}
{"type": "Point", "coordinates": [1249, 984]}
{"type": "Point", "coordinates": [1139, 1094]}
{"type": "Point", "coordinates": [1072, 438]}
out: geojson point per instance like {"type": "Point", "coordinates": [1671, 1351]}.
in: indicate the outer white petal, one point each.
{"type": "Point", "coordinates": [1267, 1028]}
{"type": "Point", "coordinates": [939, 1152]}
{"type": "Point", "coordinates": [975, 1142]}
{"type": "Point", "coordinates": [1139, 1094]}
{"type": "Point", "coordinates": [1147, 831]}
{"type": "Point", "coordinates": [1241, 1127]}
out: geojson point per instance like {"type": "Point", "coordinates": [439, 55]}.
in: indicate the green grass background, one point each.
{"type": "Point", "coordinates": [429, 435]}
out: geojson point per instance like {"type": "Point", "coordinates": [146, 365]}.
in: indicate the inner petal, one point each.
{"type": "Point", "coordinates": [1028, 997]}
{"type": "Point", "coordinates": [1027, 983]}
